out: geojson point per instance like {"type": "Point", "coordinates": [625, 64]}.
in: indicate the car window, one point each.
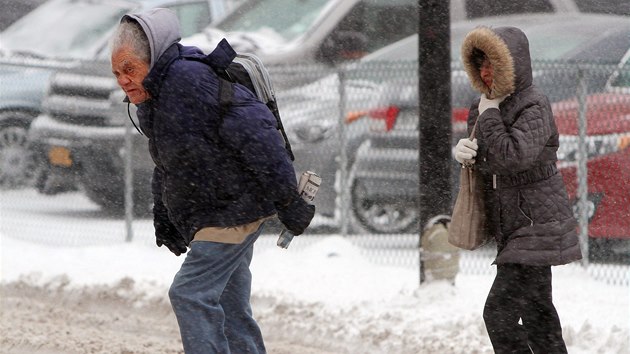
{"type": "Point", "coordinates": [63, 28]}
{"type": "Point", "coordinates": [615, 7]}
{"type": "Point", "coordinates": [406, 49]}
{"type": "Point", "coordinates": [381, 22]}
{"type": "Point", "coordinates": [193, 17]}
{"type": "Point", "coordinates": [578, 45]}
{"type": "Point", "coordinates": [606, 49]}
{"type": "Point", "coordinates": [554, 46]}
{"type": "Point", "coordinates": [297, 17]}
{"type": "Point", "coordinates": [574, 41]}
{"type": "Point", "coordinates": [585, 38]}
{"type": "Point", "coordinates": [12, 10]}
{"type": "Point", "coordinates": [482, 8]}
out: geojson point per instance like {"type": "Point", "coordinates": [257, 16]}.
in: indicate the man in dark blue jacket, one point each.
{"type": "Point", "coordinates": [215, 183]}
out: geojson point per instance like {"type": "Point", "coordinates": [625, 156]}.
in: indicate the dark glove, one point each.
{"type": "Point", "coordinates": [166, 234]}
{"type": "Point", "coordinates": [297, 215]}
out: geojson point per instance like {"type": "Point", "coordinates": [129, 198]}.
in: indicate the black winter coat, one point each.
{"type": "Point", "coordinates": [528, 211]}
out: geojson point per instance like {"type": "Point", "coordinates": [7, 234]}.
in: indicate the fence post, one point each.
{"type": "Point", "coordinates": [582, 173]}
{"type": "Point", "coordinates": [128, 182]}
{"type": "Point", "coordinates": [344, 188]}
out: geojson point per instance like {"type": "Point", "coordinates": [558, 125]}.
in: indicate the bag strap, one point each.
{"type": "Point", "coordinates": [471, 138]}
{"type": "Point", "coordinates": [472, 133]}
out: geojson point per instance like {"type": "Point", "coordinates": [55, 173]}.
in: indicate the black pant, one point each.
{"type": "Point", "coordinates": [523, 293]}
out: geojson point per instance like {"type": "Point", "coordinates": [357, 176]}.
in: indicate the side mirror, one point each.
{"type": "Point", "coordinates": [341, 46]}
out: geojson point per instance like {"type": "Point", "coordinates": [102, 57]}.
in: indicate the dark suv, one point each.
{"type": "Point", "coordinates": [81, 137]}
{"type": "Point", "coordinates": [57, 36]}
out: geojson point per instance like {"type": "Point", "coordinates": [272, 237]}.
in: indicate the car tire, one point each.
{"type": "Point", "coordinates": [380, 215]}
{"type": "Point", "coordinates": [18, 164]}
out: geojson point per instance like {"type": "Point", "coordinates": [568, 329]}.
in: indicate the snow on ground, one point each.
{"type": "Point", "coordinates": [330, 296]}
{"type": "Point", "coordinates": [324, 292]}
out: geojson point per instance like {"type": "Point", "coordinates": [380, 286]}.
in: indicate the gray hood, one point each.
{"type": "Point", "coordinates": [161, 27]}
{"type": "Point", "coordinates": [507, 49]}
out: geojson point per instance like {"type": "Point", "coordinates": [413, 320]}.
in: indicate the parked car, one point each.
{"type": "Point", "coordinates": [382, 162]}
{"type": "Point", "coordinates": [607, 145]}
{"type": "Point", "coordinates": [92, 134]}
{"type": "Point", "coordinates": [477, 8]}
{"type": "Point", "coordinates": [58, 35]}
{"type": "Point", "coordinates": [329, 32]}
{"type": "Point", "coordinates": [81, 137]}
{"type": "Point", "coordinates": [68, 89]}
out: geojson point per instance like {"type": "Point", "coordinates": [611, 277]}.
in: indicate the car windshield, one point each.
{"type": "Point", "coordinates": [603, 40]}
{"type": "Point", "coordinates": [262, 15]}
{"type": "Point", "coordinates": [592, 38]}
{"type": "Point", "coordinates": [64, 29]}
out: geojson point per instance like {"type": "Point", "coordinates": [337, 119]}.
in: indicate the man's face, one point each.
{"type": "Point", "coordinates": [130, 71]}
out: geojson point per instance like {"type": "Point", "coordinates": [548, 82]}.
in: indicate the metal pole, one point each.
{"type": "Point", "coordinates": [128, 157]}
{"type": "Point", "coordinates": [582, 172]}
{"type": "Point", "coordinates": [434, 92]}
{"type": "Point", "coordinates": [344, 186]}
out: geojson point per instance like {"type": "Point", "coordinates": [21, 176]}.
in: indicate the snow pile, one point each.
{"type": "Point", "coordinates": [329, 296]}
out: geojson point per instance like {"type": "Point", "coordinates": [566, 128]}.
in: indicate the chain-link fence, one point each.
{"type": "Point", "coordinates": [357, 126]}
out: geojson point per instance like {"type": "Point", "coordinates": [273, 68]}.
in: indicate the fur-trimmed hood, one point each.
{"type": "Point", "coordinates": [507, 48]}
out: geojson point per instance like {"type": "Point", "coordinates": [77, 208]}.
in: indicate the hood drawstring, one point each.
{"type": "Point", "coordinates": [131, 119]}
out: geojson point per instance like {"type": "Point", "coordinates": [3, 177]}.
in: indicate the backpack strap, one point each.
{"type": "Point", "coordinates": [221, 57]}
{"type": "Point", "coordinates": [273, 107]}
{"type": "Point", "coordinates": [222, 62]}
{"type": "Point", "coordinates": [219, 60]}
{"type": "Point", "coordinates": [226, 92]}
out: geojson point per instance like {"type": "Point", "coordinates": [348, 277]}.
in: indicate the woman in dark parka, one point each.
{"type": "Point", "coordinates": [528, 211]}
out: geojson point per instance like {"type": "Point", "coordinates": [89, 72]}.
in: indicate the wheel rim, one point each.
{"type": "Point", "coordinates": [383, 216]}
{"type": "Point", "coordinates": [17, 164]}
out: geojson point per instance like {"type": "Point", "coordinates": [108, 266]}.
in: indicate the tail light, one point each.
{"type": "Point", "coordinates": [460, 115]}
{"type": "Point", "coordinates": [459, 120]}
{"type": "Point", "coordinates": [388, 114]}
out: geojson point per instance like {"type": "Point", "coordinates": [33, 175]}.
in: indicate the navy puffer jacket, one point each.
{"type": "Point", "coordinates": [211, 172]}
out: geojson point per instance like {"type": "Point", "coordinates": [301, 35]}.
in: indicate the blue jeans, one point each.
{"type": "Point", "coordinates": [210, 297]}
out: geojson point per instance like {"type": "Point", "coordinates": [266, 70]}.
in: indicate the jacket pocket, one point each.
{"type": "Point", "coordinates": [514, 211]}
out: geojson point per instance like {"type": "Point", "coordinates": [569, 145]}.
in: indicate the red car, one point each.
{"type": "Point", "coordinates": [608, 159]}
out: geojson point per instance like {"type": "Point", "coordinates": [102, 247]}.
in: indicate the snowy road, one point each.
{"type": "Point", "coordinates": [71, 284]}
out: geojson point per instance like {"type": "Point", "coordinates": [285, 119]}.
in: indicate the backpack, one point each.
{"type": "Point", "coordinates": [245, 69]}
{"type": "Point", "coordinates": [249, 71]}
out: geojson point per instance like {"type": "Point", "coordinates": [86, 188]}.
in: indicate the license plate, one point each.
{"type": "Point", "coordinates": [60, 156]}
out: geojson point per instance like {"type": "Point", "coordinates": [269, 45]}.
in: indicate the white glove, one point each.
{"type": "Point", "coordinates": [465, 150]}
{"type": "Point", "coordinates": [485, 103]}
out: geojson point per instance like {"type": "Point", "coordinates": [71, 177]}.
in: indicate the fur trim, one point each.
{"type": "Point", "coordinates": [497, 51]}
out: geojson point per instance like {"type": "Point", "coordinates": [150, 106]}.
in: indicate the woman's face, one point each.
{"type": "Point", "coordinates": [486, 71]}
{"type": "Point", "coordinates": [130, 71]}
